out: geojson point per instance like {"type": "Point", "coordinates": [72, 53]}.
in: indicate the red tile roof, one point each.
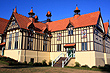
{"type": "Point", "coordinates": [106, 27]}
{"type": "Point", "coordinates": [2, 44]}
{"type": "Point", "coordinates": [3, 24]}
{"type": "Point", "coordinates": [24, 22]}
{"type": "Point", "coordinates": [40, 25]}
{"type": "Point", "coordinates": [77, 20]}
{"type": "Point", "coordinates": [68, 45]}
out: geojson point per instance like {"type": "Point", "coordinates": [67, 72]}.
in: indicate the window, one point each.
{"type": "Point", "coordinates": [16, 40]}
{"type": "Point", "coordinates": [45, 46]}
{"type": "Point", "coordinates": [10, 39]}
{"type": "Point", "coordinates": [58, 36]}
{"type": "Point", "coordinates": [58, 47]}
{"type": "Point", "coordinates": [30, 41]}
{"type": "Point", "coordinates": [84, 33]}
{"type": "Point", "coordinates": [70, 31]}
{"type": "Point", "coordinates": [84, 46]}
{"type": "Point", "coordinates": [13, 23]}
{"type": "Point", "coordinates": [4, 39]}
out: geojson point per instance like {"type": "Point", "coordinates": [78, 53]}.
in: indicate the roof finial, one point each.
{"type": "Point", "coordinates": [99, 9]}
{"type": "Point", "coordinates": [77, 11]}
{"type": "Point", "coordinates": [31, 12]}
{"type": "Point", "coordinates": [15, 10]}
{"type": "Point", "coordinates": [76, 5]}
{"type": "Point", "coordinates": [108, 20]}
{"type": "Point", "coordinates": [31, 7]}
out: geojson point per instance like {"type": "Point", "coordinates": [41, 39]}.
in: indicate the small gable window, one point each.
{"type": "Point", "coordinates": [70, 31]}
{"type": "Point", "coordinates": [13, 23]}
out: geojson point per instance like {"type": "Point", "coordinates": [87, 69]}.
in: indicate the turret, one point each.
{"type": "Point", "coordinates": [48, 16]}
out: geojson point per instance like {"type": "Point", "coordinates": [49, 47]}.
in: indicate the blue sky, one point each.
{"type": "Point", "coordinates": [60, 9]}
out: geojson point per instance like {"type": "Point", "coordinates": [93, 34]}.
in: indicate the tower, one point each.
{"type": "Point", "coordinates": [36, 18]}
{"type": "Point", "coordinates": [31, 14]}
{"type": "Point", "coordinates": [77, 11]}
{"type": "Point", "coordinates": [48, 16]}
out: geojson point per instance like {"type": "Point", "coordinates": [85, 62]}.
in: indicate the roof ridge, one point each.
{"type": "Point", "coordinates": [20, 15]}
{"type": "Point", "coordinates": [90, 13]}
{"type": "Point", "coordinates": [72, 17]}
{"type": "Point", "coordinates": [4, 19]}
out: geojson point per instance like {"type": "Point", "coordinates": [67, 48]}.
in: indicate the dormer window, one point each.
{"type": "Point", "coordinates": [70, 31]}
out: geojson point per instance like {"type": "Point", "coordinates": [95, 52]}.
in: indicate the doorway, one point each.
{"type": "Point", "coordinates": [71, 51]}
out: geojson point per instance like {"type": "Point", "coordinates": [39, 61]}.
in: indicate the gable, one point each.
{"type": "Point", "coordinates": [69, 25]}
{"type": "Point", "coordinates": [12, 24]}
{"type": "Point", "coordinates": [100, 24]}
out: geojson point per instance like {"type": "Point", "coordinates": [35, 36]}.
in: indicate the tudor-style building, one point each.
{"type": "Point", "coordinates": [81, 38]}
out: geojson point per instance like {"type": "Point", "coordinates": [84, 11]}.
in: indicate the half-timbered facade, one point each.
{"type": "Point", "coordinates": [84, 38]}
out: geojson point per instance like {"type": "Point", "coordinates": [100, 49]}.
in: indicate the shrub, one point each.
{"type": "Point", "coordinates": [0, 58]}
{"type": "Point", "coordinates": [25, 62]}
{"type": "Point", "coordinates": [44, 62]}
{"type": "Point", "coordinates": [30, 63]}
{"type": "Point", "coordinates": [50, 62]}
{"type": "Point", "coordinates": [3, 58]}
{"type": "Point", "coordinates": [77, 64]}
{"type": "Point", "coordinates": [107, 66]}
{"type": "Point", "coordinates": [85, 66]}
{"type": "Point", "coordinates": [40, 64]}
{"type": "Point", "coordinates": [36, 64]}
{"type": "Point", "coordinates": [94, 66]}
{"type": "Point", "coordinates": [8, 59]}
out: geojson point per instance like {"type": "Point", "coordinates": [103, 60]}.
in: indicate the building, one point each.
{"type": "Point", "coordinates": [81, 38]}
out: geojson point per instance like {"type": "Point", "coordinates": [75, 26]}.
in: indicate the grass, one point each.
{"type": "Point", "coordinates": [42, 70]}
{"type": "Point", "coordinates": [92, 69]}
{"type": "Point", "coordinates": [3, 62]}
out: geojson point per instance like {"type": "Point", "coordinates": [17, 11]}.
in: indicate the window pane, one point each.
{"type": "Point", "coordinates": [82, 46]}
{"type": "Point", "coordinates": [85, 46]}
{"type": "Point", "coordinates": [71, 31]}
{"type": "Point", "coordinates": [16, 40]}
{"type": "Point", "coordinates": [68, 32]}
{"type": "Point", "coordinates": [57, 47]}
{"type": "Point", "coordinates": [10, 38]}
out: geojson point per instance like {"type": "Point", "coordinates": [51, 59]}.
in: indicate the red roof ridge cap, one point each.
{"type": "Point", "coordinates": [61, 20]}
{"type": "Point", "coordinates": [90, 13]}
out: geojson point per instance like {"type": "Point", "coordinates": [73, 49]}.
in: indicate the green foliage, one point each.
{"type": "Point", "coordinates": [25, 62]}
{"type": "Point", "coordinates": [4, 62]}
{"type": "Point", "coordinates": [94, 66]}
{"type": "Point", "coordinates": [50, 62]}
{"type": "Point", "coordinates": [3, 58]}
{"type": "Point", "coordinates": [30, 63]}
{"type": "Point", "coordinates": [77, 64]}
{"type": "Point", "coordinates": [44, 63]}
{"type": "Point", "coordinates": [40, 64]}
{"type": "Point", "coordinates": [36, 64]}
{"type": "Point", "coordinates": [85, 66]}
{"type": "Point", "coordinates": [107, 66]}
{"type": "Point", "coordinates": [8, 59]}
